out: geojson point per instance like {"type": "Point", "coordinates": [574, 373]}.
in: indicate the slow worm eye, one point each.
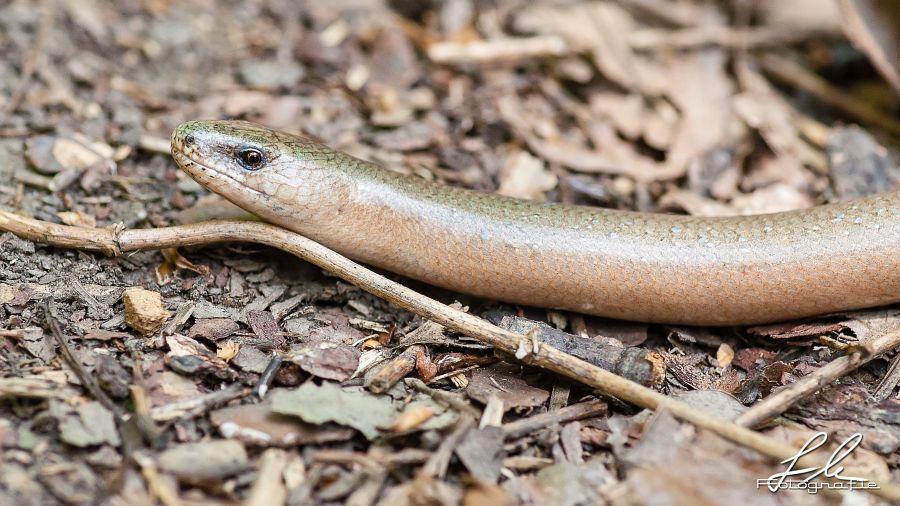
{"type": "Point", "coordinates": [252, 158]}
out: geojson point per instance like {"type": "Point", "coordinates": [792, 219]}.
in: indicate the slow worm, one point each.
{"type": "Point", "coordinates": [618, 264]}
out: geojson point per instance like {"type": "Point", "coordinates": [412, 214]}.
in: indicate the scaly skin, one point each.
{"type": "Point", "coordinates": [619, 264]}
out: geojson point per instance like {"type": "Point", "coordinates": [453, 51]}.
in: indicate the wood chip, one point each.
{"type": "Point", "coordinates": [144, 310]}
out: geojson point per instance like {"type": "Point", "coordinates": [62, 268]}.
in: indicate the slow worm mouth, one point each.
{"type": "Point", "coordinates": [189, 165]}
{"type": "Point", "coordinates": [186, 162]}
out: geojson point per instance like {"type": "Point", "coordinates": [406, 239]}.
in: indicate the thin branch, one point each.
{"type": "Point", "coordinates": [506, 49]}
{"type": "Point", "coordinates": [795, 75]}
{"type": "Point", "coordinates": [386, 375]}
{"type": "Point", "coordinates": [437, 465]}
{"type": "Point", "coordinates": [777, 403]}
{"type": "Point", "coordinates": [654, 39]}
{"type": "Point", "coordinates": [534, 423]}
{"type": "Point", "coordinates": [444, 397]}
{"type": "Point", "coordinates": [888, 382]}
{"type": "Point", "coordinates": [85, 378]}
{"type": "Point", "coordinates": [195, 406]}
{"type": "Point", "coordinates": [116, 241]}
{"type": "Point", "coordinates": [267, 377]}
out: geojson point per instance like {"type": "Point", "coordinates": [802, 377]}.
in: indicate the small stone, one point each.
{"type": "Point", "coordinates": [144, 310]}
{"type": "Point", "coordinates": [204, 461]}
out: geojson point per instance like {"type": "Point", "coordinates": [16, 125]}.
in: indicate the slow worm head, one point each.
{"type": "Point", "coordinates": [620, 264]}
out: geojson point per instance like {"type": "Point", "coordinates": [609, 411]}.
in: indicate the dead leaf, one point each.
{"type": "Point", "coordinates": [820, 16]}
{"type": "Point", "coordinates": [693, 371]}
{"type": "Point", "coordinates": [77, 219]}
{"type": "Point", "coordinates": [563, 484]}
{"type": "Point", "coordinates": [166, 386]}
{"type": "Point", "coordinates": [874, 323]}
{"type": "Point", "coordinates": [695, 205]}
{"type": "Point", "coordinates": [792, 330]}
{"type": "Point", "coordinates": [525, 176]}
{"type": "Point", "coordinates": [768, 169]}
{"type": "Point", "coordinates": [175, 259]}
{"type": "Point", "coordinates": [188, 356]}
{"type": "Point", "coordinates": [265, 327]}
{"type": "Point", "coordinates": [772, 199]}
{"type": "Point", "coordinates": [659, 125]}
{"type": "Point", "coordinates": [331, 361]}
{"type": "Point", "coordinates": [251, 359]}
{"type": "Point", "coordinates": [213, 329]}
{"type": "Point", "coordinates": [701, 89]}
{"type": "Point", "coordinates": [481, 451]}
{"type": "Point", "coordinates": [626, 112]}
{"type": "Point", "coordinates": [35, 342]}
{"type": "Point", "coordinates": [255, 424]}
{"type": "Point", "coordinates": [204, 460]}
{"type": "Point", "coordinates": [89, 16]}
{"type": "Point", "coordinates": [504, 381]}
{"type": "Point", "coordinates": [426, 368]}
{"type": "Point", "coordinates": [371, 344]}
{"type": "Point", "coordinates": [761, 107]}
{"type": "Point", "coordinates": [488, 495]}
{"type": "Point", "coordinates": [51, 154]}
{"type": "Point", "coordinates": [751, 359]}
{"type": "Point", "coordinates": [353, 406]}
{"type": "Point", "coordinates": [601, 28]}
{"type": "Point", "coordinates": [611, 156]}
{"type": "Point", "coordinates": [88, 424]}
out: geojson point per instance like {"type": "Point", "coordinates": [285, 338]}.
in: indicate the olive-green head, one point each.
{"type": "Point", "coordinates": [269, 173]}
{"type": "Point", "coordinates": [229, 148]}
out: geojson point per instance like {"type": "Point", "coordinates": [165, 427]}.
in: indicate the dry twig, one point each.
{"type": "Point", "coordinates": [441, 396]}
{"type": "Point", "coordinates": [393, 370]}
{"type": "Point", "coordinates": [507, 49]}
{"type": "Point", "coordinates": [795, 75]}
{"type": "Point", "coordinates": [724, 36]}
{"type": "Point", "coordinates": [889, 381]}
{"type": "Point", "coordinates": [578, 411]}
{"type": "Point", "coordinates": [195, 406]}
{"type": "Point", "coordinates": [269, 487]}
{"type": "Point", "coordinates": [86, 379]}
{"type": "Point", "coordinates": [437, 465]}
{"type": "Point", "coordinates": [778, 403]}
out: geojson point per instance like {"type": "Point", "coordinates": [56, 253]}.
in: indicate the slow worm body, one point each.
{"type": "Point", "coordinates": [619, 264]}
